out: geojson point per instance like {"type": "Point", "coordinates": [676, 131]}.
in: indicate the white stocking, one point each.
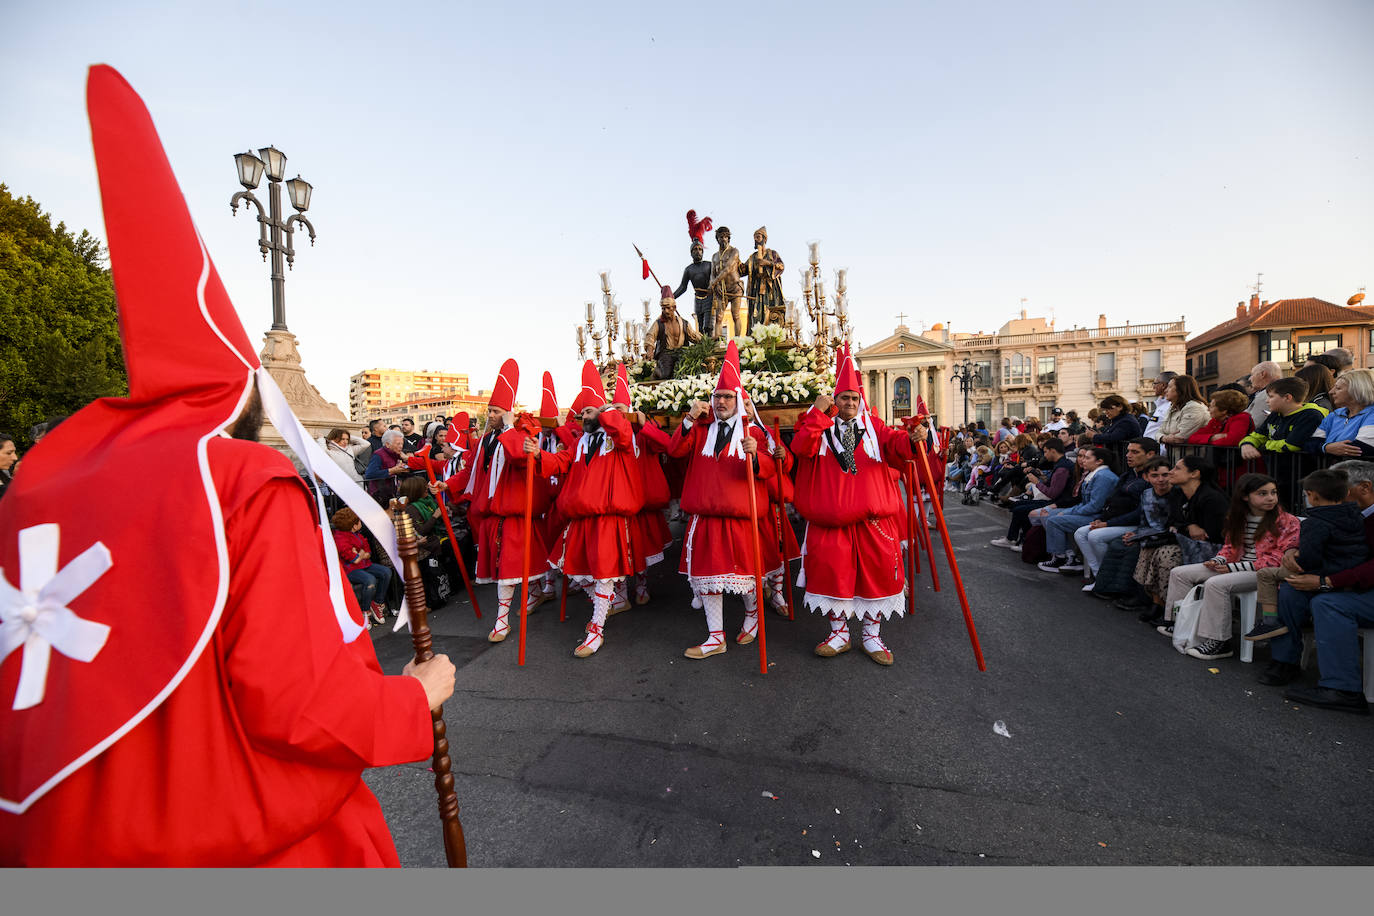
{"type": "Point", "coordinates": [715, 622]}
{"type": "Point", "coordinates": [641, 586]}
{"type": "Point", "coordinates": [505, 594]}
{"type": "Point", "coordinates": [872, 642]}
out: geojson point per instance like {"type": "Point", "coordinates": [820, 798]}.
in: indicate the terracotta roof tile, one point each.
{"type": "Point", "coordinates": [1283, 313]}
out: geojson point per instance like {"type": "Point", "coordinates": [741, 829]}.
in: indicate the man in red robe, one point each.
{"type": "Point", "coordinates": [602, 492]}
{"type": "Point", "coordinates": [497, 488]}
{"type": "Point", "coordinates": [852, 558]}
{"type": "Point", "coordinates": [231, 724]}
{"type": "Point", "coordinates": [718, 548]}
{"type": "Point", "coordinates": [649, 533]}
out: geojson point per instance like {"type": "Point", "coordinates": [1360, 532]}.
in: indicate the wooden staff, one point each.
{"type": "Point", "coordinates": [758, 553]}
{"type": "Point", "coordinates": [782, 532]}
{"type": "Point", "coordinates": [563, 603]}
{"type": "Point", "coordinates": [913, 547]}
{"type": "Point", "coordinates": [452, 540]}
{"type": "Point", "coordinates": [408, 546]}
{"type": "Point", "coordinates": [922, 531]}
{"type": "Point", "coordinates": [525, 563]}
{"type": "Point", "coordinates": [923, 466]}
{"type": "Point", "coordinates": [645, 262]}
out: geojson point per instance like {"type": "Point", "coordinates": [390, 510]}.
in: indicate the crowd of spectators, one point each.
{"type": "Point", "coordinates": [1259, 488]}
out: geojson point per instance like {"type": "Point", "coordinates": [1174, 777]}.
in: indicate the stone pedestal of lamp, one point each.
{"type": "Point", "coordinates": [281, 358]}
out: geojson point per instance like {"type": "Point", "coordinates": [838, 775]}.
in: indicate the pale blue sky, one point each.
{"type": "Point", "coordinates": [476, 165]}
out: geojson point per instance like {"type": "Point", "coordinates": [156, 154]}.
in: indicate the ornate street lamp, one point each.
{"type": "Point", "coordinates": [967, 377]}
{"type": "Point", "coordinates": [271, 227]}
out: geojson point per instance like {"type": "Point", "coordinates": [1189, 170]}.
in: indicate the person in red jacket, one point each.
{"type": "Point", "coordinates": [235, 731]}
{"type": "Point", "coordinates": [780, 496]}
{"type": "Point", "coordinates": [718, 548]}
{"type": "Point", "coordinates": [602, 492]}
{"type": "Point", "coordinates": [852, 556]}
{"type": "Point", "coordinates": [650, 530]}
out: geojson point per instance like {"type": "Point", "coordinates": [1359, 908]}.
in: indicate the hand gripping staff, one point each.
{"type": "Point", "coordinates": [455, 847]}
{"type": "Point", "coordinates": [758, 554]}
{"type": "Point", "coordinates": [923, 466]}
{"type": "Point", "coordinates": [452, 540]}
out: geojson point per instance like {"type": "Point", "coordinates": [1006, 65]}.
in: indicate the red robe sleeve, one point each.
{"type": "Point", "coordinates": [684, 437]}
{"type": "Point", "coordinates": [895, 444]}
{"type": "Point", "coordinates": [654, 437]}
{"type": "Point", "coordinates": [811, 426]}
{"type": "Point", "coordinates": [301, 692]}
{"type": "Point", "coordinates": [418, 463]}
{"type": "Point", "coordinates": [618, 429]}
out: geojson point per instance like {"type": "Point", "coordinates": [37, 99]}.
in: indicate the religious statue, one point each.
{"type": "Point", "coordinates": [698, 273]}
{"type": "Point", "coordinates": [668, 335]}
{"type": "Point", "coordinates": [764, 269]}
{"type": "Point", "coordinates": [727, 293]}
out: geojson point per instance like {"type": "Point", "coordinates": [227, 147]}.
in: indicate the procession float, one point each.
{"type": "Point", "coordinates": [786, 348]}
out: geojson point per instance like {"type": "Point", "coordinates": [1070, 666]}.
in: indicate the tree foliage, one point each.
{"type": "Point", "coordinates": [59, 337]}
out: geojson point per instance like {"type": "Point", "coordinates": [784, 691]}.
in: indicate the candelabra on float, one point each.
{"type": "Point", "coordinates": [828, 333]}
{"type": "Point", "coordinates": [612, 326]}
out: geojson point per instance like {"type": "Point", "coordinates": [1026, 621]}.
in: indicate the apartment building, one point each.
{"type": "Point", "coordinates": [373, 389]}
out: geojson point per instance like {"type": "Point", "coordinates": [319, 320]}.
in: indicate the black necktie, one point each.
{"type": "Point", "coordinates": [848, 441]}
{"type": "Point", "coordinates": [722, 436]}
{"type": "Point", "coordinates": [594, 447]}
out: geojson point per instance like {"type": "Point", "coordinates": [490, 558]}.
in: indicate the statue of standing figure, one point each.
{"type": "Point", "coordinates": [764, 269]}
{"type": "Point", "coordinates": [727, 293]}
{"type": "Point", "coordinates": [698, 274]}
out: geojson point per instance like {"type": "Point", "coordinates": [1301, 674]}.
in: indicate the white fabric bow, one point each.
{"type": "Point", "coordinates": [36, 615]}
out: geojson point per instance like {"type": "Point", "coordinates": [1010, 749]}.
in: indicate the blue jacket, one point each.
{"type": "Point", "coordinates": [1339, 426]}
{"type": "Point", "coordinates": [1123, 428]}
{"type": "Point", "coordinates": [1093, 495]}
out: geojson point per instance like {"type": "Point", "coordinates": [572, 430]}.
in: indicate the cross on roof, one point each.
{"type": "Point", "coordinates": [901, 317]}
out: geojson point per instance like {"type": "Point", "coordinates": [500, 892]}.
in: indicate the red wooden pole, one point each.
{"type": "Point", "coordinates": [922, 531]}
{"type": "Point", "coordinates": [782, 533]}
{"type": "Point", "coordinates": [563, 602]}
{"type": "Point", "coordinates": [913, 546]}
{"type": "Point", "coordinates": [525, 562]}
{"type": "Point", "coordinates": [453, 541]}
{"type": "Point", "coordinates": [758, 555]}
{"type": "Point", "coordinates": [924, 467]}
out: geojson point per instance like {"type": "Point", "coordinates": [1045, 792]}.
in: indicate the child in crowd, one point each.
{"type": "Point", "coordinates": [1331, 539]}
{"type": "Point", "coordinates": [981, 465]}
{"type": "Point", "coordinates": [370, 580]}
{"type": "Point", "coordinates": [1290, 423]}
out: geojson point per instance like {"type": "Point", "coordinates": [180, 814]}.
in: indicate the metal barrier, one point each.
{"type": "Point", "coordinates": [1287, 468]}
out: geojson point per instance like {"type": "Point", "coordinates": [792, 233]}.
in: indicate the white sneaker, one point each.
{"type": "Point", "coordinates": [1003, 542]}
{"type": "Point", "coordinates": [1089, 587]}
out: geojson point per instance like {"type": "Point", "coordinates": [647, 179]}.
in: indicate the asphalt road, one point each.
{"type": "Point", "coordinates": [1121, 750]}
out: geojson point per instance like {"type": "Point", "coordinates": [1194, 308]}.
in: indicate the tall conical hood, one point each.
{"type": "Point", "coordinates": [507, 383]}
{"type": "Point", "coordinates": [548, 401]}
{"type": "Point", "coordinates": [846, 376]}
{"type": "Point", "coordinates": [729, 371]}
{"type": "Point", "coordinates": [622, 385]}
{"type": "Point", "coordinates": [592, 393]}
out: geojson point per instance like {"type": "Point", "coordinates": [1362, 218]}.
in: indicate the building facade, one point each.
{"type": "Point", "coordinates": [1286, 331]}
{"type": "Point", "coordinates": [373, 389]}
{"type": "Point", "coordinates": [1024, 370]}
{"type": "Point", "coordinates": [424, 409]}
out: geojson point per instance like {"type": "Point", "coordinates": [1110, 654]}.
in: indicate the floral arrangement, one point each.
{"type": "Point", "coordinates": [766, 388]}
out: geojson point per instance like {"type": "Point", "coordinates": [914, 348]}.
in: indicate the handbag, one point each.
{"type": "Point", "coordinates": [1195, 552]}
{"type": "Point", "coordinates": [1186, 614]}
{"type": "Point", "coordinates": [1159, 539]}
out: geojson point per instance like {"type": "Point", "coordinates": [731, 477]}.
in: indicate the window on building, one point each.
{"type": "Point", "coordinates": [1016, 370]}
{"type": "Point", "coordinates": [1311, 346]}
{"type": "Point", "coordinates": [1044, 371]}
{"type": "Point", "coordinates": [1106, 369]}
{"type": "Point", "coordinates": [1205, 366]}
{"type": "Point", "coordinates": [1045, 409]}
{"type": "Point", "coordinates": [1188, 366]}
{"type": "Point", "coordinates": [901, 348]}
{"type": "Point", "coordinates": [1151, 363]}
{"type": "Point", "coordinates": [1016, 409]}
{"type": "Point", "coordinates": [1274, 345]}
{"type": "Point", "coordinates": [983, 369]}
{"type": "Point", "coordinates": [983, 413]}
{"type": "Point", "coordinates": [1371, 341]}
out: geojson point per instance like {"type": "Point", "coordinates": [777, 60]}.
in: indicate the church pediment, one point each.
{"type": "Point", "coordinates": [904, 343]}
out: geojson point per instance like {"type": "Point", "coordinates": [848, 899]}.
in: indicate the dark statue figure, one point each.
{"type": "Point", "coordinates": [698, 274]}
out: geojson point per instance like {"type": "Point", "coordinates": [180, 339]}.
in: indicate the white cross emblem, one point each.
{"type": "Point", "coordinates": [36, 615]}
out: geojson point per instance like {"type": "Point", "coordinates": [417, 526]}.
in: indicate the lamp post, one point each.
{"type": "Point", "coordinates": [966, 376]}
{"type": "Point", "coordinates": [271, 226]}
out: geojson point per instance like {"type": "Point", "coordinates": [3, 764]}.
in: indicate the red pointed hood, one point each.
{"type": "Point", "coordinates": [191, 370]}
{"type": "Point", "coordinates": [729, 371]}
{"type": "Point", "coordinates": [846, 376]}
{"type": "Point", "coordinates": [593, 393]}
{"type": "Point", "coordinates": [622, 385]}
{"type": "Point", "coordinates": [507, 383]}
{"type": "Point", "coordinates": [548, 401]}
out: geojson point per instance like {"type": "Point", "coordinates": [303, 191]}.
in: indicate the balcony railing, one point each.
{"type": "Point", "coordinates": [1104, 377]}
{"type": "Point", "coordinates": [1128, 330]}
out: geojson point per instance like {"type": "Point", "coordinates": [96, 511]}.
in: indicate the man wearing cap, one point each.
{"type": "Point", "coordinates": [852, 555]}
{"type": "Point", "coordinates": [602, 492]}
{"type": "Point", "coordinates": [1057, 421]}
{"type": "Point", "coordinates": [718, 547]}
{"type": "Point", "coordinates": [235, 729]}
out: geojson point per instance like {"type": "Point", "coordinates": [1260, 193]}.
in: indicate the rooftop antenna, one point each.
{"type": "Point", "coordinates": [1259, 283]}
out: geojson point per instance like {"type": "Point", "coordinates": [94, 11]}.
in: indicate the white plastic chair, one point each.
{"type": "Point", "coordinates": [1248, 610]}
